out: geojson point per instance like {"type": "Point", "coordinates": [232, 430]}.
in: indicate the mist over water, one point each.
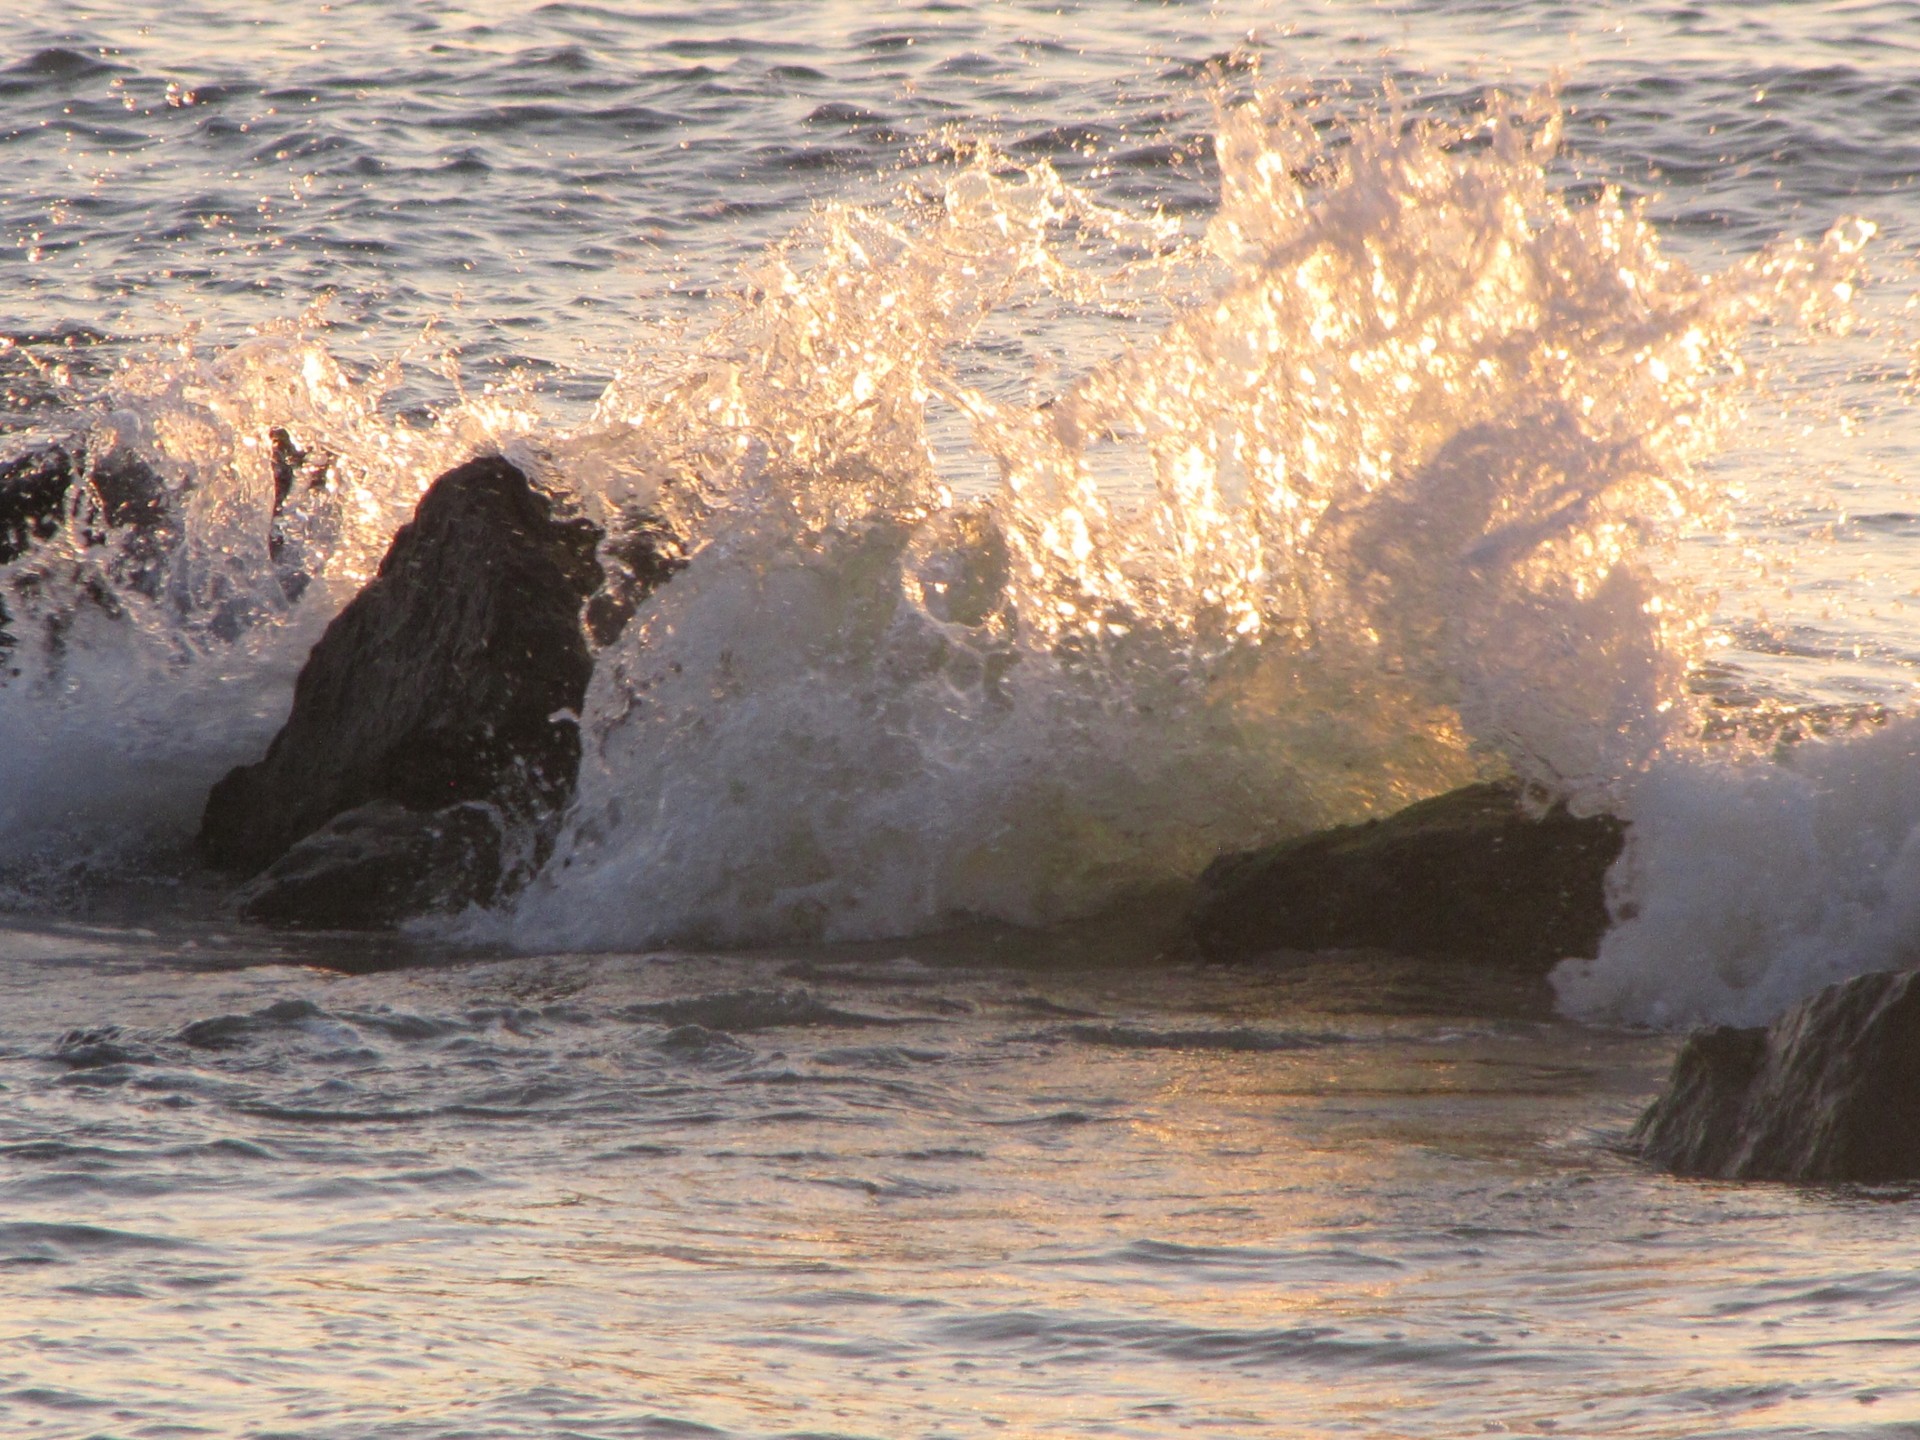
{"type": "Point", "coordinates": [1103, 437]}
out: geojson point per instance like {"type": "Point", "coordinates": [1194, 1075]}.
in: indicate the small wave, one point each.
{"type": "Point", "coordinates": [1226, 1038]}
{"type": "Point", "coordinates": [1249, 1259]}
{"type": "Point", "coordinates": [750, 1010]}
{"type": "Point", "coordinates": [230, 1032]}
{"type": "Point", "coordinates": [1747, 886]}
{"type": "Point", "coordinates": [98, 1047]}
{"type": "Point", "coordinates": [703, 1046]}
{"type": "Point", "coordinates": [55, 63]}
{"type": "Point", "coordinates": [1324, 1346]}
{"type": "Point", "coordinates": [29, 1239]}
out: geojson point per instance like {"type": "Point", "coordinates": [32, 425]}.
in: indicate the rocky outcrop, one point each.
{"type": "Point", "coordinates": [1469, 873]}
{"type": "Point", "coordinates": [380, 864]}
{"type": "Point", "coordinates": [1831, 1092]}
{"type": "Point", "coordinates": [435, 725]}
{"type": "Point", "coordinates": [454, 676]}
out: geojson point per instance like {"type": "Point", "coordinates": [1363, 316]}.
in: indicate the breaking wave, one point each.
{"type": "Point", "coordinates": [1344, 496]}
{"type": "Point", "coordinates": [1364, 518]}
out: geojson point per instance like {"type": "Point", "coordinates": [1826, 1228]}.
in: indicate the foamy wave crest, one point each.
{"type": "Point", "coordinates": [142, 661]}
{"type": "Point", "coordinates": [1749, 885]}
{"type": "Point", "coordinates": [1361, 521]}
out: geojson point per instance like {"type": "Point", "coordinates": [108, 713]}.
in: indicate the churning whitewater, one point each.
{"type": "Point", "coordinates": [1351, 498]}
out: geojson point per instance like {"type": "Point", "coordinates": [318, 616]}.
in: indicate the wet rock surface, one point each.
{"type": "Point", "coordinates": [434, 726]}
{"type": "Point", "coordinates": [116, 490]}
{"type": "Point", "coordinates": [1468, 874]}
{"type": "Point", "coordinates": [379, 864]}
{"type": "Point", "coordinates": [454, 676]}
{"type": "Point", "coordinates": [641, 553]}
{"type": "Point", "coordinates": [1830, 1092]}
{"type": "Point", "coordinates": [33, 499]}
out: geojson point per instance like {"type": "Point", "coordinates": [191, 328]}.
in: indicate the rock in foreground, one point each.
{"type": "Point", "coordinates": [379, 864]}
{"type": "Point", "coordinates": [454, 677]}
{"type": "Point", "coordinates": [1469, 873]}
{"type": "Point", "coordinates": [1831, 1092]}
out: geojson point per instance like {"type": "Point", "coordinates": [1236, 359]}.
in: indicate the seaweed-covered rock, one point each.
{"type": "Point", "coordinates": [1470, 873]}
{"type": "Point", "coordinates": [455, 675]}
{"type": "Point", "coordinates": [1831, 1092]}
{"type": "Point", "coordinates": [379, 864]}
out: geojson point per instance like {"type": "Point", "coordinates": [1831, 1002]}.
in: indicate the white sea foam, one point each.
{"type": "Point", "coordinates": [1748, 885]}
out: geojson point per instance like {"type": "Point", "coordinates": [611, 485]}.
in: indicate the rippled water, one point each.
{"type": "Point", "coordinates": [486, 1184]}
{"type": "Point", "coordinates": [886, 1193]}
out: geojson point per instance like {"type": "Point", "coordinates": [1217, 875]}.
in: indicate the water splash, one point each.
{"type": "Point", "coordinates": [1346, 497]}
{"type": "Point", "coordinates": [144, 658]}
{"type": "Point", "coordinates": [1365, 518]}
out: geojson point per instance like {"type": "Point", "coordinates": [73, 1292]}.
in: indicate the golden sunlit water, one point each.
{"type": "Point", "coordinates": [1104, 436]}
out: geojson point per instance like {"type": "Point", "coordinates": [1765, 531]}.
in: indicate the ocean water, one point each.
{"type": "Point", "coordinates": [1105, 435]}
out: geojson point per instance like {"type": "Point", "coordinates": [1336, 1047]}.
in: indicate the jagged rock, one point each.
{"type": "Point", "coordinates": [455, 675]}
{"type": "Point", "coordinates": [1469, 873]}
{"type": "Point", "coordinates": [301, 477]}
{"type": "Point", "coordinates": [379, 864]}
{"type": "Point", "coordinates": [1831, 1092]}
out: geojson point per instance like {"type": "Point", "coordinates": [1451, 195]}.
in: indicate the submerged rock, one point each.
{"type": "Point", "coordinates": [379, 864]}
{"type": "Point", "coordinates": [1469, 873]}
{"type": "Point", "coordinates": [121, 491]}
{"type": "Point", "coordinates": [1831, 1092]}
{"type": "Point", "coordinates": [455, 675]}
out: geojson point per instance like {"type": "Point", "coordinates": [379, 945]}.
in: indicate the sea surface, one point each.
{"type": "Point", "coordinates": [1105, 435]}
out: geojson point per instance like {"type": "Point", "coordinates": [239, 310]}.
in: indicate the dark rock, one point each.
{"type": "Point", "coordinates": [379, 864]}
{"type": "Point", "coordinates": [33, 499]}
{"type": "Point", "coordinates": [304, 523]}
{"type": "Point", "coordinates": [641, 553]}
{"type": "Point", "coordinates": [1469, 873]}
{"type": "Point", "coordinates": [296, 465]}
{"type": "Point", "coordinates": [122, 492]}
{"type": "Point", "coordinates": [112, 496]}
{"type": "Point", "coordinates": [454, 676]}
{"type": "Point", "coordinates": [1831, 1092]}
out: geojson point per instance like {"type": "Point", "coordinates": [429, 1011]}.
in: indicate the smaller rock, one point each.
{"type": "Point", "coordinates": [110, 495]}
{"type": "Point", "coordinates": [1469, 873]}
{"type": "Point", "coordinates": [379, 864]}
{"type": "Point", "coordinates": [1831, 1092]}
{"type": "Point", "coordinates": [455, 675]}
{"type": "Point", "coordinates": [123, 492]}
